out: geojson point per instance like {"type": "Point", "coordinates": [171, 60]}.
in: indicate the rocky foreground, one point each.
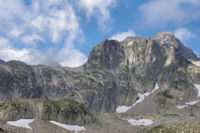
{"type": "Point", "coordinates": [178, 128]}
{"type": "Point", "coordinates": [136, 85]}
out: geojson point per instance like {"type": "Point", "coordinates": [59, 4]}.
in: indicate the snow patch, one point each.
{"type": "Point", "coordinates": [181, 107]}
{"type": "Point", "coordinates": [192, 103]}
{"type": "Point", "coordinates": [72, 128]}
{"type": "Point", "coordinates": [140, 122]}
{"type": "Point", "coordinates": [155, 88]}
{"type": "Point", "coordinates": [187, 104]}
{"type": "Point", "coordinates": [198, 88]}
{"type": "Point", "coordinates": [23, 123]}
{"type": "Point", "coordinates": [124, 109]}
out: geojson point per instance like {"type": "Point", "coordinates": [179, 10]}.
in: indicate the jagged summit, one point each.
{"type": "Point", "coordinates": [168, 39]}
{"type": "Point", "coordinates": [112, 49]}
{"type": "Point", "coordinates": [162, 35]}
{"type": "Point", "coordinates": [107, 54]}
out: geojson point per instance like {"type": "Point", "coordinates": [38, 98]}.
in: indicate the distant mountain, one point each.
{"type": "Point", "coordinates": [116, 74]}
{"type": "Point", "coordinates": [1, 61]}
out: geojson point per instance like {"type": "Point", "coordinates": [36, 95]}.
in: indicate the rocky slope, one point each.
{"type": "Point", "coordinates": [65, 111]}
{"type": "Point", "coordinates": [114, 75]}
{"type": "Point", "coordinates": [179, 128]}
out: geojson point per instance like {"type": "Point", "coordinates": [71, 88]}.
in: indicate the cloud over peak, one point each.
{"type": "Point", "coordinates": [30, 24]}
{"type": "Point", "coordinates": [123, 35]}
{"type": "Point", "coordinates": [183, 34]}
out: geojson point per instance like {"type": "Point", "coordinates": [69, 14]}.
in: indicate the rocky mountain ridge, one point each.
{"type": "Point", "coordinates": [114, 75]}
{"type": "Point", "coordinates": [115, 72]}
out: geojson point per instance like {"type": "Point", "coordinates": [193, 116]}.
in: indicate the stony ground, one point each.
{"type": "Point", "coordinates": [113, 123]}
{"type": "Point", "coordinates": [177, 128]}
{"type": "Point", "coordinates": [166, 120]}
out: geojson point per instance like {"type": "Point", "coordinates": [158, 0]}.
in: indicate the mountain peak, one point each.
{"type": "Point", "coordinates": [107, 53]}
{"type": "Point", "coordinates": [165, 38]}
{"type": "Point", "coordinates": [168, 39]}
{"type": "Point", "coordinates": [164, 34]}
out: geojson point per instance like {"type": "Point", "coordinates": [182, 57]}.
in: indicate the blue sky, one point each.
{"type": "Point", "coordinates": [63, 32]}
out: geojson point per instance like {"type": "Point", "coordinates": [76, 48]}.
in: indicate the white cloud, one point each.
{"type": "Point", "coordinates": [193, 2]}
{"type": "Point", "coordinates": [30, 39]}
{"type": "Point", "coordinates": [7, 52]}
{"type": "Point", "coordinates": [9, 11]}
{"type": "Point", "coordinates": [52, 20]}
{"type": "Point", "coordinates": [123, 35]}
{"type": "Point", "coordinates": [4, 42]}
{"type": "Point", "coordinates": [15, 32]}
{"type": "Point", "coordinates": [99, 9]}
{"type": "Point", "coordinates": [57, 22]}
{"type": "Point", "coordinates": [183, 34]}
{"type": "Point", "coordinates": [161, 12]}
{"type": "Point", "coordinates": [71, 57]}
{"type": "Point", "coordinates": [30, 56]}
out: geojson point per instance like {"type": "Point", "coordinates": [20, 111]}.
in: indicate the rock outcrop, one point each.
{"type": "Point", "coordinates": [65, 111]}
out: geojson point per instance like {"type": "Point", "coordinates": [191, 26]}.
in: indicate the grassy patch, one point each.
{"type": "Point", "coordinates": [157, 127]}
{"type": "Point", "coordinates": [165, 94]}
{"type": "Point", "coordinates": [17, 107]}
{"type": "Point", "coordinates": [172, 115]}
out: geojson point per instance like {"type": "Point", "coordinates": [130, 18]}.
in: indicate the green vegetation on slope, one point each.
{"type": "Point", "coordinates": [65, 110]}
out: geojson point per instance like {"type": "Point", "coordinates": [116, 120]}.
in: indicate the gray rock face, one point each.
{"type": "Point", "coordinates": [113, 75]}
{"type": "Point", "coordinates": [168, 39]}
{"type": "Point", "coordinates": [108, 55]}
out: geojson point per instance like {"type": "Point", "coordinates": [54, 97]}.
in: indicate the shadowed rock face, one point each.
{"type": "Point", "coordinates": [108, 55]}
{"type": "Point", "coordinates": [113, 75]}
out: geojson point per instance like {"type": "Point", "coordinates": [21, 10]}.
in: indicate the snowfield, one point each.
{"type": "Point", "coordinates": [124, 109]}
{"type": "Point", "coordinates": [72, 128]}
{"type": "Point", "coordinates": [155, 88]}
{"type": "Point", "coordinates": [140, 122]}
{"type": "Point", "coordinates": [181, 106]}
{"type": "Point", "coordinates": [193, 102]}
{"type": "Point", "coordinates": [22, 123]}
{"type": "Point", "coordinates": [187, 104]}
{"type": "Point", "coordinates": [198, 88]}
